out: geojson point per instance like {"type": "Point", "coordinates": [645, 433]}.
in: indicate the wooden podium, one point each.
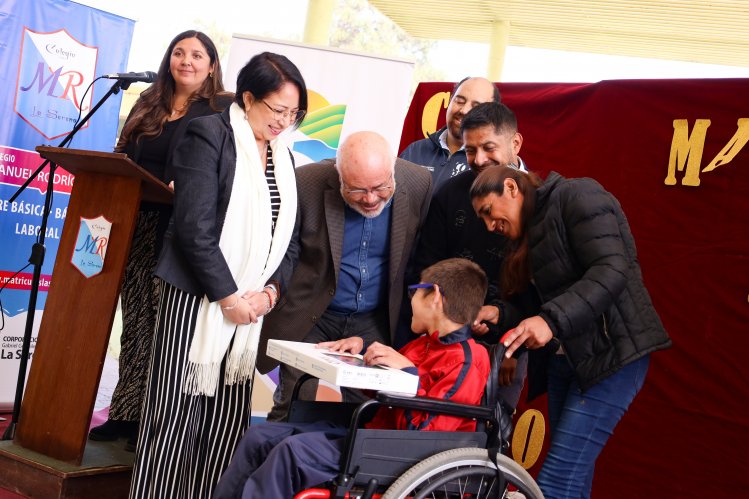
{"type": "Point", "coordinates": [79, 312]}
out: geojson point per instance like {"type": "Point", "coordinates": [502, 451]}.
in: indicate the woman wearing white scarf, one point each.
{"type": "Point", "coordinates": [234, 213]}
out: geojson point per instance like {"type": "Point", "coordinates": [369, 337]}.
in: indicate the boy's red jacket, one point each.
{"type": "Point", "coordinates": [453, 367]}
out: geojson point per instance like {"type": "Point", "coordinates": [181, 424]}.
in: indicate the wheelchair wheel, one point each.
{"type": "Point", "coordinates": [460, 473]}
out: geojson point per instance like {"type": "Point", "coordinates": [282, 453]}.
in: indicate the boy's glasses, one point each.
{"type": "Point", "coordinates": [422, 285]}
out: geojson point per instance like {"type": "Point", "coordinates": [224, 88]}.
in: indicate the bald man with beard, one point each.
{"type": "Point", "coordinates": [359, 216]}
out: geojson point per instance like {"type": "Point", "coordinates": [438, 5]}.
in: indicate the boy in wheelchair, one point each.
{"type": "Point", "coordinates": [279, 459]}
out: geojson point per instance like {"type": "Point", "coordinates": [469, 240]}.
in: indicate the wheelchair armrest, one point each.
{"type": "Point", "coordinates": [441, 406]}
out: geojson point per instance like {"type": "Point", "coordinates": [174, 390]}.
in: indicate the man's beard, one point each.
{"type": "Point", "coordinates": [369, 214]}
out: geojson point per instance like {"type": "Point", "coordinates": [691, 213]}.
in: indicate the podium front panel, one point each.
{"type": "Point", "coordinates": [78, 316]}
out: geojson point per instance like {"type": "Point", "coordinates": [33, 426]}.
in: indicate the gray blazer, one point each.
{"type": "Point", "coordinates": [319, 242]}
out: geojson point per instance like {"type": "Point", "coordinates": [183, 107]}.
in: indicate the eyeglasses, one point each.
{"type": "Point", "coordinates": [280, 114]}
{"type": "Point", "coordinates": [380, 191]}
{"type": "Point", "coordinates": [422, 285]}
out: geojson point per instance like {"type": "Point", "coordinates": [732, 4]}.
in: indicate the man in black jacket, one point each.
{"type": "Point", "coordinates": [452, 229]}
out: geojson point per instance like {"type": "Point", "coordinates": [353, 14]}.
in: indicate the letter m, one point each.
{"type": "Point", "coordinates": [686, 152]}
{"type": "Point", "coordinates": [41, 82]}
{"type": "Point", "coordinates": [88, 245]}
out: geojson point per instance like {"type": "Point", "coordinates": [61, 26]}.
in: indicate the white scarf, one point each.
{"type": "Point", "coordinates": [252, 251]}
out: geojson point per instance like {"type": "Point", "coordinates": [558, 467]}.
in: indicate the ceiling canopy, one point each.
{"type": "Point", "coordinates": [705, 31]}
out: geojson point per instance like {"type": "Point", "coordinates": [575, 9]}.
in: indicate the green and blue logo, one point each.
{"type": "Point", "coordinates": [320, 133]}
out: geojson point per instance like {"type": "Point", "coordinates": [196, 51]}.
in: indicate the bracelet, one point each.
{"type": "Point", "coordinates": [236, 302]}
{"type": "Point", "coordinates": [270, 300]}
{"type": "Point", "coordinates": [272, 289]}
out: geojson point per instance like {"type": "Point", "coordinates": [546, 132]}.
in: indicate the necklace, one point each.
{"type": "Point", "coordinates": [178, 110]}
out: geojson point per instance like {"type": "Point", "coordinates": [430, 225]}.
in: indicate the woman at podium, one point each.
{"type": "Point", "coordinates": [189, 84]}
{"type": "Point", "coordinates": [235, 206]}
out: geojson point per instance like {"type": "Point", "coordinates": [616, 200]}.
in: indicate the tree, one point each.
{"type": "Point", "coordinates": [221, 38]}
{"type": "Point", "coordinates": [358, 26]}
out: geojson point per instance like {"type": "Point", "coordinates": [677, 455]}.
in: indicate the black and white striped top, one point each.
{"type": "Point", "coordinates": [270, 177]}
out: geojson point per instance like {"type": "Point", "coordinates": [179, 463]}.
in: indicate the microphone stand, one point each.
{"type": "Point", "coordinates": [37, 256]}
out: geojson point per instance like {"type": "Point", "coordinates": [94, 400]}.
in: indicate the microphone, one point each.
{"type": "Point", "coordinates": [145, 76]}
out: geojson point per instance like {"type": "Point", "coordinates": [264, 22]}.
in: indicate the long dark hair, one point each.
{"type": "Point", "coordinates": [516, 273]}
{"type": "Point", "coordinates": [267, 72]}
{"type": "Point", "coordinates": [155, 103]}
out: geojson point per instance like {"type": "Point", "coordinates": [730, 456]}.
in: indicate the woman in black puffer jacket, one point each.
{"type": "Point", "coordinates": [597, 321]}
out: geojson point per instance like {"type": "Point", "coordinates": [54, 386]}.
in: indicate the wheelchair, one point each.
{"type": "Point", "coordinates": [400, 464]}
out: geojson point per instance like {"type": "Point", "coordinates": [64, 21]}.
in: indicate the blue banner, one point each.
{"type": "Point", "coordinates": [51, 52]}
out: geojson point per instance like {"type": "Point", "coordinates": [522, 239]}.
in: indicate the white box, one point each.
{"type": "Point", "coordinates": [342, 370]}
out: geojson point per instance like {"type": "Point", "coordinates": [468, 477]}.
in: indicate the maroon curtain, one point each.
{"type": "Point", "coordinates": [649, 142]}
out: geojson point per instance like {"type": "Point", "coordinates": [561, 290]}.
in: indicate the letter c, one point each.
{"type": "Point", "coordinates": [432, 110]}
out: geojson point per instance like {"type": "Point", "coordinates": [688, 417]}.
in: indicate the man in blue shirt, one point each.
{"type": "Point", "coordinates": [442, 152]}
{"type": "Point", "coordinates": [358, 219]}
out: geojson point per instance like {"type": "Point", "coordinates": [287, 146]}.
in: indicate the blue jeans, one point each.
{"type": "Point", "coordinates": [581, 423]}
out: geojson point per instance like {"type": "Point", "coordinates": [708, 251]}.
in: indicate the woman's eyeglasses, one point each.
{"type": "Point", "coordinates": [280, 114]}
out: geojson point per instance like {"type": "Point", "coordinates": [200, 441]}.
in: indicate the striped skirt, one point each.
{"type": "Point", "coordinates": [185, 441]}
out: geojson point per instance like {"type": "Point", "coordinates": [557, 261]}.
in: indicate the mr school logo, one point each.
{"type": "Point", "coordinates": [54, 71]}
{"type": "Point", "coordinates": [91, 245]}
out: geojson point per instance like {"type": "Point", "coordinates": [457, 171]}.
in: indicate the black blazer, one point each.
{"type": "Point", "coordinates": [203, 166]}
{"type": "Point", "coordinates": [198, 108]}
